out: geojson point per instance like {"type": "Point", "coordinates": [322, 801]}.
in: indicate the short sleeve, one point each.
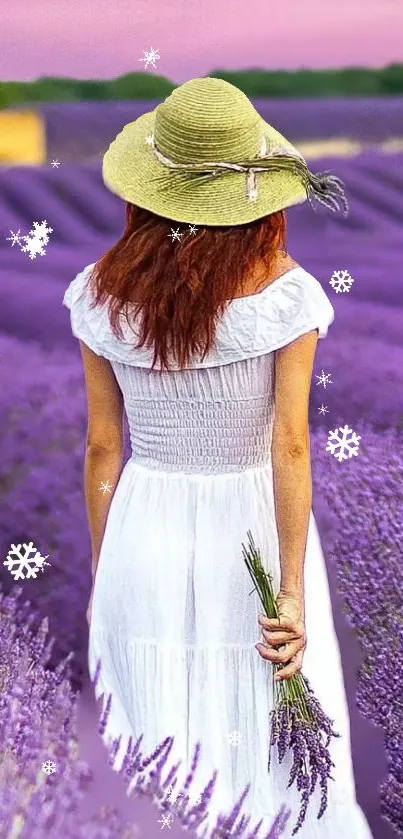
{"type": "Point", "coordinates": [84, 321]}
{"type": "Point", "coordinates": [319, 310]}
{"type": "Point", "coordinates": [301, 305]}
{"type": "Point", "coordinates": [288, 308]}
{"type": "Point", "coordinates": [91, 324]}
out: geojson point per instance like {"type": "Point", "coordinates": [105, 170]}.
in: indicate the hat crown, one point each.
{"type": "Point", "coordinates": [207, 119]}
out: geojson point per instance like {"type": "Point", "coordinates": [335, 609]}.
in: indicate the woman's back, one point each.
{"type": "Point", "coordinates": [217, 415]}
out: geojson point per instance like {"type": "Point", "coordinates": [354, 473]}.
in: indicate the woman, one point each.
{"type": "Point", "coordinates": [200, 328]}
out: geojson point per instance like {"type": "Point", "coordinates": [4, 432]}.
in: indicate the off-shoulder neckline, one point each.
{"type": "Point", "coordinates": [280, 319]}
{"type": "Point", "coordinates": [266, 288]}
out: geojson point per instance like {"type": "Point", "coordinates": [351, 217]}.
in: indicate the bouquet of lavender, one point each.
{"type": "Point", "coordinates": [297, 720]}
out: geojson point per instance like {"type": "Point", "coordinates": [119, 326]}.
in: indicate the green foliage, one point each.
{"type": "Point", "coordinates": [140, 86]}
{"type": "Point", "coordinates": [12, 93]}
{"type": "Point", "coordinates": [391, 79]}
{"type": "Point", "coordinates": [346, 81]}
{"type": "Point", "coordinates": [256, 83]}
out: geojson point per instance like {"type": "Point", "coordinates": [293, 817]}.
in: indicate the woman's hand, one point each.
{"type": "Point", "coordinates": [287, 632]}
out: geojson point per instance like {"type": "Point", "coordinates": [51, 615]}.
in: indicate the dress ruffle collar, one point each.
{"type": "Point", "coordinates": [292, 305]}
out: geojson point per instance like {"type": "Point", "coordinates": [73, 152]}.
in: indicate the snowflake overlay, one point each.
{"type": "Point", "coordinates": [165, 820]}
{"type": "Point", "coordinates": [343, 443]}
{"type": "Point", "coordinates": [324, 379]}
{"type": "Point", "coordinates": [323, 409]}
{"type": "Point", "coordinates": [174, 234]}
{"type": "Point", "coordinates": [105, 487]}
{"type": "Point", "coordinates": [150, 57]}
{"type": "Point", "coordinates": [235, 738]}
{"type": "Point", "coordinates": [15, 238]}
{"type": "Point", "coordinates": [341, 281]}
{"type": "Point", "coordinates": [19, 560]}
{"type": "Point", "coordinates": [36, 240]}
{"type": "Point", "coordinates": [49, 767]}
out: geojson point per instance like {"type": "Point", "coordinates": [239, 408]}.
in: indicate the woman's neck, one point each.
{"type": "Point", "coordinates": [260, 277]}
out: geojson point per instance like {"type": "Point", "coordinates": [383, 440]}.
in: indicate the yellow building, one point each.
{"type": "Point", "coordinates": [22, 138]}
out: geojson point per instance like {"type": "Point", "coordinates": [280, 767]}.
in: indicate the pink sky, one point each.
{"type": "Point", "coordinates": [105, 38]}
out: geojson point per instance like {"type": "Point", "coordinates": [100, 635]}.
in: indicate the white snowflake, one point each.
{"type": "Point", "coordinates": [49, 767]}
{"type": "Point", "coordinates": [105, 487]}
{"type": "Point", "coordinates": [323, 409]}
{"type": "Point", "coordinates": [341, 281]}
{"type": "Point", "coordinates": [150, 57]}
{"type": "Point", "coordinates": [235, 738]}
{"type": "Point", "coordinates": [15, 238]}
{"type": "Point", "coordinates": [165, 820]}
{"type": "Point", "coordinates": [36, 240]}
{"type": "Point", "coordinates": [41, 231]}
{"type": "Point", "coordinates": [34, 247]}
{"type": "Point", "coordinates": [192, 229]}
{"type": "Point", "coordinates": [174, 234]}
{"type": "Point", "coordinates": [19, 560]}
{"type": "Point", "coordinates": [343, 443]}
{"type": "Point", "coordinates": [55, 163]}
{"type": "Point", "coordinates": [150, 140]}
{"type": "Point", "coordinates": [324, 379]}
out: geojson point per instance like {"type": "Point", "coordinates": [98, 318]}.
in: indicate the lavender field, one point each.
{"type": "Point", "coordinates": [358, 504]}
{"type": "Point", "coordinates": [82, 130]}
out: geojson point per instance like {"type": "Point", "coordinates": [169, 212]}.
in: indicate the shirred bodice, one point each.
{"type": "Point", "coordinates": [217, 415]}
{"type": "Point", "coordinates": [217, 419]}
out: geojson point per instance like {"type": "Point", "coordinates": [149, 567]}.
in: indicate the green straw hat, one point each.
{"type": "Point", "coordinates": [205, 156]}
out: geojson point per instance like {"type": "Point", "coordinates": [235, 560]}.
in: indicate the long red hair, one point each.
{"type": "Point", "coordinates": [181, 287]}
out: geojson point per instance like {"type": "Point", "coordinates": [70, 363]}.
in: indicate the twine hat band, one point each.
{"type": "Point", "coordinates": [205, 156]}
{"type": "Point", "coordinates": [328, 189]}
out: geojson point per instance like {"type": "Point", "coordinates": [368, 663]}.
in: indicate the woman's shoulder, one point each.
{"type": "Point", "coordinates": [292, 304]}
{"type": "Point", "coordinates": [77, 286]}
{"type": "Point", "coordinates": [88, 323]}
{"type": "Point", "coordinates": [287, 283]}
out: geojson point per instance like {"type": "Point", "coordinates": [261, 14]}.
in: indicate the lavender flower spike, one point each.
{"type": "Point", "coordinates": [298, 723]}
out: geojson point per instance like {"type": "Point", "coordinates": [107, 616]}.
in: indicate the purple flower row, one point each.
{"type": "Point", "coordinates": [361, 505]}
{"type": "Point", "coordinates": [38, 723]}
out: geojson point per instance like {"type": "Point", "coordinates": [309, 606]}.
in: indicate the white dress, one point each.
{"type": "Point", "coordinates": [173, 619]}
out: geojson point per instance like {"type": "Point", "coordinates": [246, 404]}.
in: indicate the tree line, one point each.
{"type": "Point", "coordinates": [255, 83]}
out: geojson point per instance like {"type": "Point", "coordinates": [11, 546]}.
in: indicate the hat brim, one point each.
{"type": "Point", "coordinates": [132, 171]}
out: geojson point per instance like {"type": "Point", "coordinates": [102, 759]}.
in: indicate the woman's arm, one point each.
{"type": "Point", "coordinates": [291, 457]}
{"type": "Point", "coordinates": [104, 449]}
{"type": "Point", "coordinates": [285, 637]}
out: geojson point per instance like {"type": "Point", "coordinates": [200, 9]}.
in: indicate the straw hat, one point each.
{"type": "Point", "coordinates": [205, 156]}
